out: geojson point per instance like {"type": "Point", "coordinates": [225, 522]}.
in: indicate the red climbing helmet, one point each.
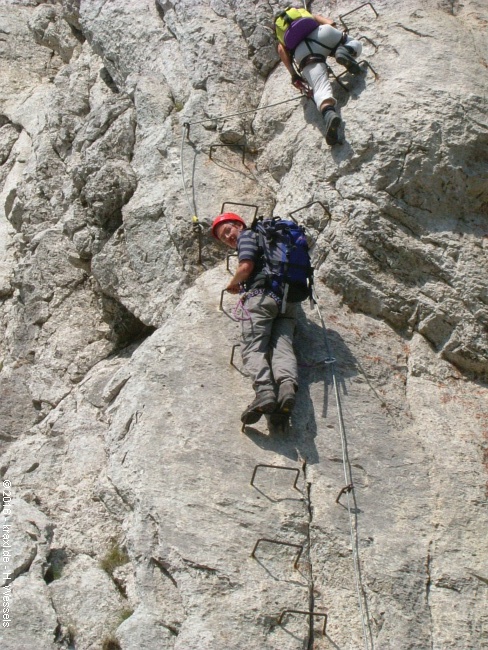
{"type": "Point", "coordinates": [227, 216]}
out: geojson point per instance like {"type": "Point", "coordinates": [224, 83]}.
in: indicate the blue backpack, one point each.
{"type": "Point", "coordinates": [287, 264]}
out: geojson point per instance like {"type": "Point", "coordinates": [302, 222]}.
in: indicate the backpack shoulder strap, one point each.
{"type": "Point", "coordinates": [258, 228]}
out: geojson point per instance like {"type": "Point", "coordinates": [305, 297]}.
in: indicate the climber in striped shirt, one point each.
{"type": "Point", "coordinates": [267, 331]}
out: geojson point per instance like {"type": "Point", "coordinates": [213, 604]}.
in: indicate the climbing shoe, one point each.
{"type": "Point", "coordinates": [286, 396]}
{"type": "Point", "coordinates": [346, 56]}
{"type": "Point", "coordinates": [264, 402]}
{"type": "Point", "coordinates": [332, 123]}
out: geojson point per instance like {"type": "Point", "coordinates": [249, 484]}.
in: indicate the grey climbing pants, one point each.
{"type": "Point", "coordinates": [267, 342]}
{"type": "Point", "coordinates": [324, 40]}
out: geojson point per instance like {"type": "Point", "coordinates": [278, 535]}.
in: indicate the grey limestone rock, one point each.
{"type": "Point", "coordinates": [51, 30]}
{"type": "Point", "coordinates": [86, 593]}
{"type": "Point", "coordinates": [124, 129]}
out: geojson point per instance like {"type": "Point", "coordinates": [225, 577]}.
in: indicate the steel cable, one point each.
{"type": "Point", "coordinates": [191, 206]}
{"type": "Point", "coordinates": [252, 110]}
{"type": "Point", "coordinates": [348, 482]}
{"type": "Point", "coordinates": [186, 127]}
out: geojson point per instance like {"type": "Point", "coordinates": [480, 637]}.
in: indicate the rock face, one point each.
{"type": "Point", "coordinates": [129, 519]}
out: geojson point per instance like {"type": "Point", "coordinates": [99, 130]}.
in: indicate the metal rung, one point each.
{"type": "Point", "coordinates": [365, 38]}
{"type": "Point", "coordinates": [240, 146]}
{"type": "Point", "coordinates": [229, 255]}
{"type": "Point", "coordinates": [221, 305]}
{"type": "Point", "coordinates": [309, 205]}
{"type": "Point", "coordinates": [336, 77]}
{"type": "Point", "coordinates": [288, 469]}
{"type": "Point", "coordinates": [357, 9]}
{"type": "Point", "coordinates": [376, 75]}
{"type": "Point", "coordinates": [275, 541]}
{"type": "Point", "coordinates": [247, 205]}
{"type": "Point", "coordinates": [236, 345]}
{"type": "Point", "coordinates": [305, 613]}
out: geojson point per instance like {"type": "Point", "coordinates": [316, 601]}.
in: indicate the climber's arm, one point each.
{"type": "Point", "coordinates": [322, 20]}
{"type": "Point", "coordinates": [243, 272]}
{"type": "Point", "coordinates": [286, 58]}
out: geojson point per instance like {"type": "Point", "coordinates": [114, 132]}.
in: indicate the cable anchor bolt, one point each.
{"type": "Point", "coordinates": [347, 488]}
{"type": "Point", "coordinates": [197, 228]}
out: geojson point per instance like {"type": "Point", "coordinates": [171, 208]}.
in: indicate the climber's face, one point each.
{"type": "Point", "coordinates": [228, 232]}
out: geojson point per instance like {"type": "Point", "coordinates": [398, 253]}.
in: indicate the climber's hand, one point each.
{"type": "Point", "coordinates": [232, 288]}
{"type": "Point", "coordinates": [300, 85]}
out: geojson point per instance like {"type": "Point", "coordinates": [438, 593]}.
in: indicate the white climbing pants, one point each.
{"type": "Point", "coordinates": [267, 343]}
{"type": "Point", "coordinates": [315, 74]}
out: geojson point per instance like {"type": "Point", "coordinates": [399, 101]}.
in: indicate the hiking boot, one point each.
{"type": "Point", "coordinates": [346, 56]}
{"type": "Point", "coordinates": [332, 123]}
{"type": "Point", "coordinates": [264, 402]}
{"type": "Point", "coordinates": [286, 396]}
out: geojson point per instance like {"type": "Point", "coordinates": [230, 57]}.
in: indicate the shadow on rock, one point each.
{"type": "Point", "coordinates": [355, 85]}
{"type": "Point", "coordinates": [315, 349]}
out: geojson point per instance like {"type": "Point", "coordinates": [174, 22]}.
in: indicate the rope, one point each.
{"type": "Point", "coordinates": [241, 308]}
{"type": "Point", "coordinates": [348, 482]}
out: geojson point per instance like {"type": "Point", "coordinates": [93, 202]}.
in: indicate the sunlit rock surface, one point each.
{"type": "Point", "coordinates": [133, 518]}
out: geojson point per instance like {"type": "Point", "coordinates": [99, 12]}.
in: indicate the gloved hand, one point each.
{"type": "Point", "coordinates": [299, 83]}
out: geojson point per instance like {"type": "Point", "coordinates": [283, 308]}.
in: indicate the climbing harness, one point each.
{"type": "Point", "coordinates": [261, 291]}
{"type": "Point", "coordinates": [240, 306]}
{"type": "Point", "coordinates": [309, 59]}
{"type": "Point", "coordinates": [329, 47]}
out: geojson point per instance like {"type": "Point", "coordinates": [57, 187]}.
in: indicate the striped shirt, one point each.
{"type": "Point", "coordinates": [247, 246]}
{"type": "Point", "coordinates": [248, 249]}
